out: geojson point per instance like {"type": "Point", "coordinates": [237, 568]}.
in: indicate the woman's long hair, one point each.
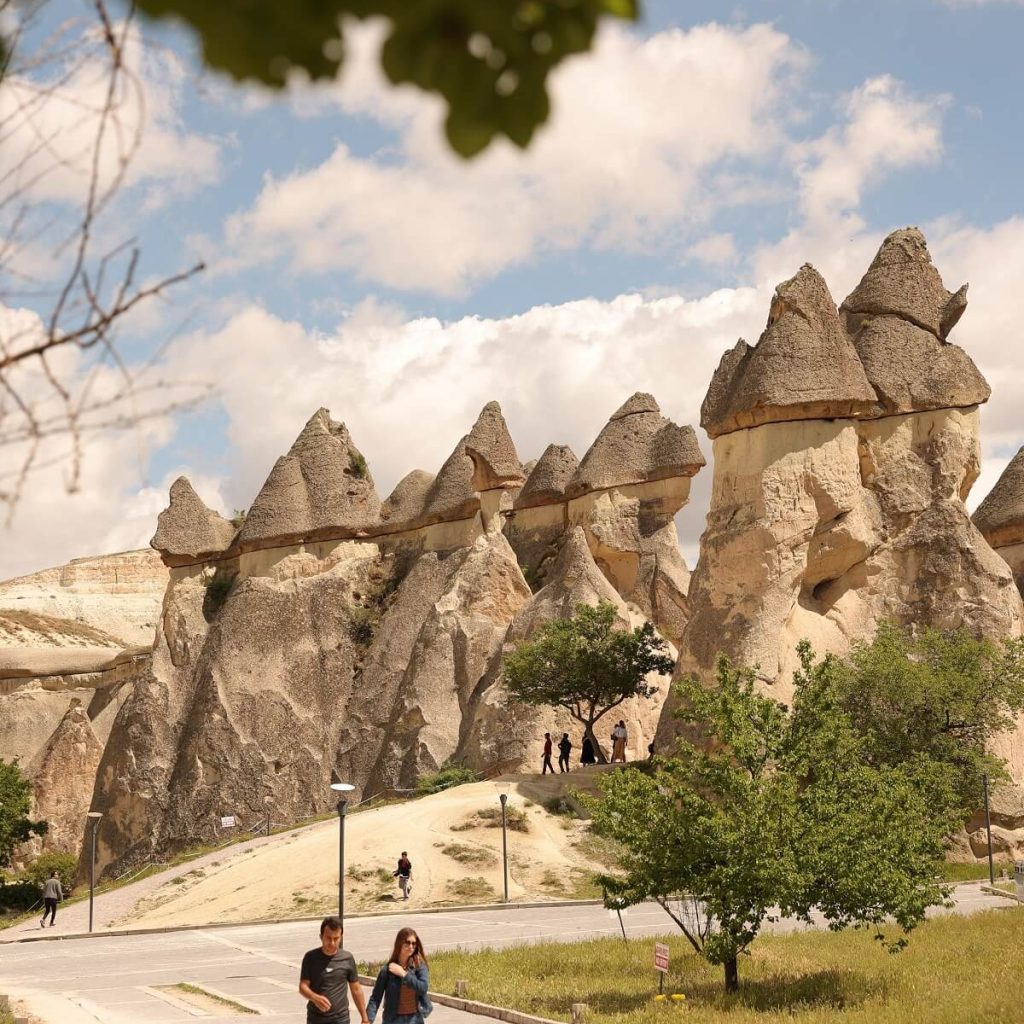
{"type": "Point", "coordinates": [418, 954]}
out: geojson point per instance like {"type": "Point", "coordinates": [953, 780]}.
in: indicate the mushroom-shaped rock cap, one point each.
{"type": "Point", "coordinates": [803, 366]}
{"type": "Point", "coordinates": [549, 478]}
{"type": "Point", "coordinates": [902, 281]}
{"type": "Point", "coordinates": [452, 495]}
{"type": "Point", "coordinates": [187, 529]}
{"type": "Point", "coordinates": [321, 487]}
{"type": "Point", "coordinates": [490, 446]}
{"type": "Point", "coordinates": [637, 445]}
{"type": "Point", "coordinates": [1000, 517]}
{"type": "Point", "coordinates": [898, 317]}
{"type": "Point", "coordinates": [406, 502]}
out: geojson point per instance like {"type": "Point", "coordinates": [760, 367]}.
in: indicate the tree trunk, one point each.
{"type": "Point", "coordinates": [598, 751]}
{"type": "Point", "coordinates": [732, 975]}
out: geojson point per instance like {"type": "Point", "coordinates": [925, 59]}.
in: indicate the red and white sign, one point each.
{"type": "Point", "coordinates": [227, 821]}
{"type": "Point", "coordinates": [661, 957]}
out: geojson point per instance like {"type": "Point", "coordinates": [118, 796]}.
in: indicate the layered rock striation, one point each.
{"type": "Point", "coordinates": [845, 444]}
{"type": "Point", "coordinates": [339, 637]}
{"type": "Point", "coordinates": [1000, 517]}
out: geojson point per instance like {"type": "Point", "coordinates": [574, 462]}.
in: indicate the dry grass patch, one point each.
{"type": "Point", "coordinates": [955, 971]}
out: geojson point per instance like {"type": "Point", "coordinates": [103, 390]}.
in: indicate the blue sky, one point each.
{"type": "Point", "coordinates": [692, 163]}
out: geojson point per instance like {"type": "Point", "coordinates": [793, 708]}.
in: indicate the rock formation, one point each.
{"type": "Point", "coordinates": [845, 443]}
{"type": "Point", "coordinates": [336, 637]}
{"type": "Point", "coordinates": [1000, 517]}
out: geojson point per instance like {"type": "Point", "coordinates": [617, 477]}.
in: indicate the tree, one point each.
{"type": "Point", "coordinates": [764, 812]}
{"type": "Point", "coordinates": [586, 665]}
{"type": "Point", "coordinates": [15, 801]}
{"type": "Point", "coordinates": [939, 695]}
{"type": "Point", "coordinates": [489, 61]}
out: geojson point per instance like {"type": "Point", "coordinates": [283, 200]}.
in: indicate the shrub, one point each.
{"type": "Point", "coordinates": [357, 464]}
{"type": "Point", "coordinates": [65, 864]}
{"type": "Point", "coordinates": [515, 819]}
{"type": "Point", "coordinates": [362, 626]}
{"type": "Point", "coordinates": [19, 895]}
{"type": "Point", "coordinates": [448, 776]}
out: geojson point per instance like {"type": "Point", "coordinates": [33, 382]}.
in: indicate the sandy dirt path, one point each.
{"type": "Point", "coordinates": [456, 858]}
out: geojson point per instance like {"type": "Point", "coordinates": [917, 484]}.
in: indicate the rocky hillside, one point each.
{"type": "Point", "coordinates": [336, 635]}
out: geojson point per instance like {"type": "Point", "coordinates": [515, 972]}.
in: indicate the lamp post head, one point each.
{"type": "Point", "coordinates": [342, 787]}
{"type": "Point", "coordinates": [95, 815]}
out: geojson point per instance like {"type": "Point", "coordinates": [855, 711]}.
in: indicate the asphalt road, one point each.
{"type": "Point", "coordinates": [113, 979]}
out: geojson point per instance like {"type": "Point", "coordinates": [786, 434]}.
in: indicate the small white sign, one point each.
{"type": "Point", "coordinates": [661, 957]}
{"type": "Point", "coordinates": [227, 821]}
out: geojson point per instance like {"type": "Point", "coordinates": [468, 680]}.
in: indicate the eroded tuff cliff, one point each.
{"type": "Point", "coordinates": [1000, 517]}
{"type": "Point", "coordinates": [336, 636]}
{"type": "Point", "coordinates": [845, 443]}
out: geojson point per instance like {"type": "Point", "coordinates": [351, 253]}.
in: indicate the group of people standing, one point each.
{"type": "Point", "coordinates": [588, 755]}
{"type": "Point", "coordinates": [400, 988]}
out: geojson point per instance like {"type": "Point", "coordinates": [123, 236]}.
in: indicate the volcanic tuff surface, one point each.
{"type": "Point", "coordinates": [838, 496]}
{"type": "Point", "coordinates": [1000, 517]}
{"type": "Point", "coordinates": [337, 637]}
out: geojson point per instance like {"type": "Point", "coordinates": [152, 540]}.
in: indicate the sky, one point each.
{"type": "Point", "coordinates": [692, 162]}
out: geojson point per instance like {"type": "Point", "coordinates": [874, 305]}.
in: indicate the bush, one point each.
{"type": "Point", "coordinates": [19, 895]}
{"type": "Point", "coordinates": [449, 775]}
{"type": "Point", "coordinates": [357, 464]}
{"type": "Point", "coordinates": [362, 626]}
{"type": "Point", "coordinates": [65, 864]}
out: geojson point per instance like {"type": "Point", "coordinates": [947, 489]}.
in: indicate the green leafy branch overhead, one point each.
{"type": "Point", "coordinates": [488, 59]}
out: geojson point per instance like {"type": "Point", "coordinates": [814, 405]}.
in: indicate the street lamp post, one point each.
{"type": "Point", "coordinates": [988, 832]}
{"type": "Point", "coordinates": [503, 788]}
{"type": "Point", "coordinates": [342, 789]}
{"type": "Point", "coordinates": [94, 816]}
{"type": "Point", "coordinates": [266, 802]}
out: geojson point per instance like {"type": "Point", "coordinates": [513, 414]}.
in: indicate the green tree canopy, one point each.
{"type": "Point", "coordinates": [764, 812]}
{"type": "Point", "coordinates": [586, 665]}
{"type": "Point", "coordinates": [15, 801]}
{"type": "Point", "coordinates": [925, 693]}
{"type": "Point", "coordinates": [488, 59]}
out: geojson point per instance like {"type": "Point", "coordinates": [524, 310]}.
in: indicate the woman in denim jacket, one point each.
{"type": "Point", "coordinates": [402, 983]}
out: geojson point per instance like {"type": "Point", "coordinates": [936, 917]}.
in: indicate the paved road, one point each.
{"type": "Point", "coordinates": [111, 979]}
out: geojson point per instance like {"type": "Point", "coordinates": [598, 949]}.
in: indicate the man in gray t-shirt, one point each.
{"type": "Point", "coordinates": [52, 895]}
{"type": "Point", "coordinates": [323, 977]}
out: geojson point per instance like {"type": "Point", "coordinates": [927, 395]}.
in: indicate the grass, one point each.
{"type": "Point", "coordinates": [473, 890]}
{"type": "Point", "coordinates": [515, 819]}
{"type": "Point", "coordinates": [196, 990]}
{"type": "Point", "coordinates": [468, 854]}
{"type": "Point", "coordinates": [955, 971]}
{"type": "Point", "coordinates": [971, 872]}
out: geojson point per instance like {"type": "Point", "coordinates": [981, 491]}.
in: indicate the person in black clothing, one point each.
{"type": "Point", "coordinates": [547, 766]}
{"type": "Point", "coordinates": [587, 752]}
{"type": "Point", "coordinates": [404, 875]}
{"type": "Point", "coordinates": [324, 974]}
{"type": "Point", "coordinates": [564, 746]}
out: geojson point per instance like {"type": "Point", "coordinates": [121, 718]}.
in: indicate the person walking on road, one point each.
{"type": "Point", "coordinates": [619, 737]}
{"type": "Point", "coordinates": [52, 895]}
{"type": "Point", "coordinates": [547, 766]}
{"type": "Point", "coordinates": [404, 875]}
{"type": "Point", "coordinates": [324, 974]}
{"type": "Point", "coordinates": [402, 983]}
{"type": "Point", "coordinates": [564, 747]}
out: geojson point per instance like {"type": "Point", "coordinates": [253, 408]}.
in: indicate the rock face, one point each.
{"type": "Point", "coordinates": [1000, 517]}
{"type": "Point", "coordinates": [187, 531]}
{"type": "Point", "coordinates": [833, 514]}
{"type": "Point", "coordinates": [336, 638]}
{"type": "Point", "coordinates": [63, 775]}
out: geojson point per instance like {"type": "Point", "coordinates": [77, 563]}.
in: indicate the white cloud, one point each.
{"type": "Point", "coordinates": [51, 117]}
{"type": "Point", "coordinates": [642, 135]}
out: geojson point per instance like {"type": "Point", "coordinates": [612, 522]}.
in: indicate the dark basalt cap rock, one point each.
{"type": "Point", "coordinates": [902, 281]}
{"type": "Point", "coordinates": [490, 446]}
{"type": "Point", "coordinates": [321, 487]}
{"type": "Point", "coordinates": [1000, 517]}
{"type": "Point", "coordinates": [637, 445]}
{"type": "Point", "coordinates": [803, 366]}
{"type": "Point", "coordinates": [187, 530]}
{"type": "Point", "coordinates": [547, 482]}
